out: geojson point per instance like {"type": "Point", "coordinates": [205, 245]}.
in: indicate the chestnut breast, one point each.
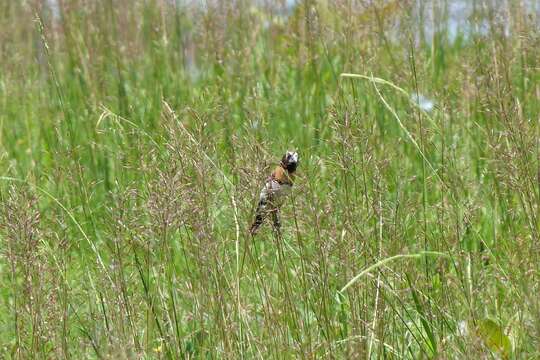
{"type": "Point", "coordinates": [282, 176]}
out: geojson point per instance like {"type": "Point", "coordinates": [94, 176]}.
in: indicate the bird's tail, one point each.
{"type": "Point", "coordinates": [259, 217]}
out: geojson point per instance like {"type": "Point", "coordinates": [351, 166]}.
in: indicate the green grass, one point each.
{"type": "Point", "coordinates": [135, 136]}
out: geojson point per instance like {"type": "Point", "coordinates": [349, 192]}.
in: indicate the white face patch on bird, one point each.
{"type": "Point", "coordinates": [293, 156]}
{"type": "Point", "coordinates": [290, 161]}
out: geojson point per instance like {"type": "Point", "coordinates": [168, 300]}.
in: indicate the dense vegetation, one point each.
{"type": "Point", "coordinates": [135, 136]}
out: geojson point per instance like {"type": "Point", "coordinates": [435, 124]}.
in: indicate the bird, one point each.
{"type": "Point", "coordinates": [276, 188]}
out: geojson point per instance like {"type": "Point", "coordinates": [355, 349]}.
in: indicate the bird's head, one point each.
{"type": "Point", "coordinates": [290, 161]}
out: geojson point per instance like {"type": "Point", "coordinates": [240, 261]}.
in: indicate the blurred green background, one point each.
{"type": "Point", "coordinates": [136, 135]}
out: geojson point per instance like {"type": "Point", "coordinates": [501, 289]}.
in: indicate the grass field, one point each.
{"type": "Point", "coordinates": [135, 137]}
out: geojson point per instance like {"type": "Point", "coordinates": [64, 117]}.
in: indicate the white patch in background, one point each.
{"type": "Point", "coordinates": [462, 328]}
{"type": "Point", "coordinates": [423, 102]}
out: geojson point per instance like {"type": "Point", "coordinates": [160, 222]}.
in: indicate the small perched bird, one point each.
{"type": "Point", "coordinates": [277, 186]}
